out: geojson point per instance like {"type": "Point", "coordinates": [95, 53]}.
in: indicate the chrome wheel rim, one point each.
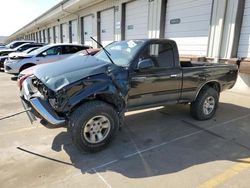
{"type": "Point", "coordinates": [96, 129]}
{"type": "Point", "coordinates": [208, 105]}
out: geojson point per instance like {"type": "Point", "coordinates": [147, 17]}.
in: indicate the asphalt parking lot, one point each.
{"type": "Point", "coordinates": [161, 147]}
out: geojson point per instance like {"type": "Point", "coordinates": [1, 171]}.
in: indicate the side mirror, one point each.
{"type": "Point", "coordinates": [44, 54]}
{"type": "Point", "coordinates": [145, 64]}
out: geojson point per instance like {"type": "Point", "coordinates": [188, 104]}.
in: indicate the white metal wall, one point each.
{"type": "Point", "coordinates": [187, 22]}
{"type": "Point", "coordinates": [136, 20]}
{"type": "Point", "coordinates": [74, 31]}
{"type": "Point", "coordinates": [107, 26]}
{"type": "Point", "coordinates": [88, 30]}
{"type": "Point", "coordinates": [244, 44]}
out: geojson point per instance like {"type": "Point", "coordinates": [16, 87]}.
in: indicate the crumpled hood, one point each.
{"type": "Point", "coordinates": [59, 74]}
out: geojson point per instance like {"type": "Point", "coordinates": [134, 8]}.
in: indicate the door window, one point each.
{"type": "Point", "coordinates": [53, 51]}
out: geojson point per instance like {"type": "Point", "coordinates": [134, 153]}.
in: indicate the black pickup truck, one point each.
{"type": "Point", "coordinates": [90, 94]}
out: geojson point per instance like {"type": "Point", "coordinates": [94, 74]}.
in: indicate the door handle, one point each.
{"type": "Point", "coordinates": [139, 79]}
{"type": "Point", "coordinates": [173, 76]}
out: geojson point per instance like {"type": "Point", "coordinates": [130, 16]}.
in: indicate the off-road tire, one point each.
{"type": "Point", "coordinates": [196, 107]}
{"type": "Point", "coordinates": [79, 118]}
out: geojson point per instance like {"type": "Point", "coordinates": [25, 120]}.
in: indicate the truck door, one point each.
{"type": "Point", "coordinates": [161, 82]}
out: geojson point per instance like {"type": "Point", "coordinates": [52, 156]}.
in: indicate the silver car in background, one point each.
{"type": "Point", "coordinates": [46, 54]}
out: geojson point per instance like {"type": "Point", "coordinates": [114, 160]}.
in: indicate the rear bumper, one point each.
{"type": "Point", "coordinates": [37, 107]}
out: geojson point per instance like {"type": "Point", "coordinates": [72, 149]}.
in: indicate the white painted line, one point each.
{"type": "Point", "coordinates": [102, 178]}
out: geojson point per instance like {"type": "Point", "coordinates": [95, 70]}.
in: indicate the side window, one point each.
{"type": "Point", "coordinates": [53, 51]}
{"type": "Point", "coordinates": [70, 49]}
{"type": "Point", "coordinates": [161, 54]}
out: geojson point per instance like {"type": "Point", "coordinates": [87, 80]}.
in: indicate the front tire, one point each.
{"type": "Point", "coordinates": [205, 105]}
{"type": "Point", "coordinates": [93, 125]}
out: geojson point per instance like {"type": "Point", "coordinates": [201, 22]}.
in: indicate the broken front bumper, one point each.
{"type": "Point", "coordinates": [37, 107]}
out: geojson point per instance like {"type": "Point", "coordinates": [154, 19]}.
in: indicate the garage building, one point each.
{"type": "Point", "coordinates": [206, 30]}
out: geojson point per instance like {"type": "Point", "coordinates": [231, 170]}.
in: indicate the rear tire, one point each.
{"type": "Point", "coordinates": [93, 125]}
{"type": "Point", "coordinates": [205, 105]}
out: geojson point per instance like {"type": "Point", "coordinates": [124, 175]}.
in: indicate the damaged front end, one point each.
{"type": "Point", "coordinates": [34, 96]}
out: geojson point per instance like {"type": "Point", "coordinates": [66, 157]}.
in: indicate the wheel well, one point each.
{"type": "Point", "coordinates": [26, 65]}
{"type": "Point", "coordinates": [213, 84]}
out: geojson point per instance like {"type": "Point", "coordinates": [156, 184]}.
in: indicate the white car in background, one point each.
{"type": "Point", "coordinates": [46, 54]}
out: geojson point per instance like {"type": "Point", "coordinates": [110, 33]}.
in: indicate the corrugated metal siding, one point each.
{"type": "Point", "coordinates": [191, 34]}
{"type": "Point", "coordinates": [244, 44]}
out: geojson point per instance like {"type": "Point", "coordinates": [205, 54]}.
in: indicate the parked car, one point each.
{"type": "Point", "coordinates": [17, 43]}
{"type": "Point", "coordinates": [90, 98]}
{"type": "Point", "coordinates": [5, 53]}
{"type": "Point", "coordinates": [46, 54]}
{"type": "Point", "coordinates": [29, 71]}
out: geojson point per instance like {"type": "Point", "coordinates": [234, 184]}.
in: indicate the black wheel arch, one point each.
{"type": "Point", "coordinates": [209, 84]}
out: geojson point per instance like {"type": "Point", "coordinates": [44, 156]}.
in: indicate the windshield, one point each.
{"type": "Point", "coordinates": [121, 52]}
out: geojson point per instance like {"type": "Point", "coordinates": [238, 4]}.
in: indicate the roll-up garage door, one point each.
{"type": "Point", "coordinates": [136, 20]}
{"type": "Point", "coordinates": [57, 34]}
{"type": "Point", "coordinates": [65, 33]}
{"type": "Point", "coordinates": [244, 44]}
{"type": "Point", "coordinates": [87, 30]}
{"type": "Point", "coordinates": [74, 31]}
{"type": "Point", "coordinates": [51, 40]}
{"type": "Point", "coordinates": [187, 22]}
{"type": "Point", "coordinates": [45, 33]}
{"type": "Point", "coordinates": [42, 36]}
{"type": "Point", "coordinates": [107, 26]}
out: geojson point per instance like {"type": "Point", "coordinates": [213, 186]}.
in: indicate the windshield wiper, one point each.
{"type": "Point", "coordinates": [104, 49]}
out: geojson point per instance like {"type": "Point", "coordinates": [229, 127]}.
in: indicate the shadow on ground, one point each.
{"type": "Point", "coordinates": [166, 141]}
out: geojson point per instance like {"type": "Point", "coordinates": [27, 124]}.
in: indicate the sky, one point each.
{"type": "Point", "coordinates": [15, 14]}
